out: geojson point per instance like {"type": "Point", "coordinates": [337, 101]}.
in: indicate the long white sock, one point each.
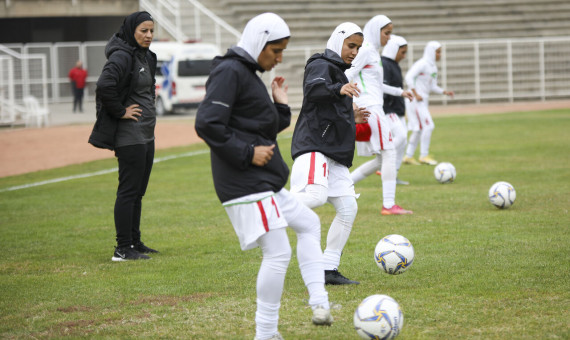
{"type": "Point", "coordinates": [366, 169]}
{"type": "Point", "coordinates": [339, 231]}
{"type": "Point", "coordinates": [313, 196]}
{"type": "Point", "coordinates": [270, 279]}
{"type": "Point", "coordinates": [307, 226]}
{"type": "Point", "coordinates": [425, 141]}
{"type": "Point", "coordinates": [388, 178]}
{"type": "Point", "coordinates": [413, 143]}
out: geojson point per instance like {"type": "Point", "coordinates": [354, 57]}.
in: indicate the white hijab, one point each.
{"type": "Point", "coordinates": [429, 51]}
{"type": "Point", "coordinates": [341, 32]}
{"type": "Point", "coordinates": [393, 46]}
{"type": "Point", "coordinates": [261, 29]}
{"type": "Point", "coordinates": [373, 27]}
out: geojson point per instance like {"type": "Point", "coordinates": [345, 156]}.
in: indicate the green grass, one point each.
{"type": "Point", "coordinates": [479, 272]}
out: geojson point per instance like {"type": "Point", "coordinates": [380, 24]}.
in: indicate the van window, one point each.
{"type": "Point", "coordinates": [192, 68]}
{"type": "Point", "coordinates": [159, 64]}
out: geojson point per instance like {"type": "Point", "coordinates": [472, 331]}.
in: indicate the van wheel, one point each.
{"type": "Point", "coordinates": [160, 109]}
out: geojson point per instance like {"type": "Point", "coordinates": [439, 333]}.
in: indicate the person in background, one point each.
{"type": "Point", "coordinates": [323, 141]}
{"type": "Point", "coordinates": [126, 119]}
{"type": "Point", "coordinates": [367, 69]}
{"type": "Point", "coordinates": [395, 107]}
{"type": "Point", "coordinates": [239, 122]}
{"type": "Point", "coordinates": [78, 76]}
{"type": "Point", "coordinates": [421, 79]}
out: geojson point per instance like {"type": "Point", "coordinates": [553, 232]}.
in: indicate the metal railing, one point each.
{"type": "Point", "coordinates": [498, 70]}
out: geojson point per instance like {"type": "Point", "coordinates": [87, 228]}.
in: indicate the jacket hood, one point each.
{"type": "Point", "coordinates": [393, 46]}
{"type": "Point", "coordinates": [429, 51]}
{"type": "Point", "coordinates": [240, 54]}
{"type": "Point", "coordinates": [330, 56]}
{"type": "Point", "coordinates": [372, 29]}
{"type": "Point", "coordinates": [116, 44]}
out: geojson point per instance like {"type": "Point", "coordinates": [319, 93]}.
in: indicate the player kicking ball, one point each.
{"type": "Point", "coordinates": [239, 122]}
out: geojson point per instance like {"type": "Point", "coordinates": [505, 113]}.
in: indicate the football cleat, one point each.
{"type": "Point", "coordinates": [400, 182]}
{"type": "Point", "coordinates": [428, 160]}
{"type": "Point", "coordinates": [410, 160]}
{"type": "Point", "coordinates": [396, 210]}
{"type": "Point", "coordinates": [322, 316]}
{"type": "Point", "coordinates": [334, 277]}
{"type": "Point", "coordinates": [277, 336]}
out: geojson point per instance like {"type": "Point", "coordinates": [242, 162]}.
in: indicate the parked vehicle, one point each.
{"type": "Point", "coordinates": [182, 71]}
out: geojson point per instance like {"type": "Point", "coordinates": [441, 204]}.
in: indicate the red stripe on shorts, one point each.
{"type": "Point", "coordinates": [419, 119]}
{"type": "Point", "coordinates": [275, 205]}
{"type": "Point", "coordinates": [312, 169]}
{"type": "Point", "coordinates": [263, 216]}
{"type": "Point", "coordinates": [380, 134]}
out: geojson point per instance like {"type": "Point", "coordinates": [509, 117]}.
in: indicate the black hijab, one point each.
{"type": "Point", "coordinates": [127, 30]}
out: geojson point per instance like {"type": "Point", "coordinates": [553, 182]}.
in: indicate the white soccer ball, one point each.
{"type": "Point", "coordinates": [378, 317]}
{"type": "Point", "coordinates": [502, 195]}
{"type": "Point", "coordinates": [394, 254]}
{"type": "Point", "coordinates": [444, 172]}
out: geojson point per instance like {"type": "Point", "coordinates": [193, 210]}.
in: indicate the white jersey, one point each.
{"type": "Point", "coordinates": [422, 76]}
{"type": "Point", "coordinates": [368, 73]}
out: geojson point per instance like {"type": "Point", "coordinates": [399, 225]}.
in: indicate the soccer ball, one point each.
{"type": "Point", "coordinates": [444, 172]}
{"type": "Point", "coordinates": [502, 195]}
{"type": "Point", "coordinates": [394, 254]}
{"type": "Point", "coordinates": [378, 317]}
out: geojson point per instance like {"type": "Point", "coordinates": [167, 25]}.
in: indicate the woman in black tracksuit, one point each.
{"type": "Point", "coordinates": [239, 122]}
{"type": "Point", "coordinates": [126, 119]}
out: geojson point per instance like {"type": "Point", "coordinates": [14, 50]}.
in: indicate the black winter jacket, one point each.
{"type": "Point", "coordinates": [326, 122]}
{"type": "Point", "coordinates": [236, 115]}
{"type": "Point", "coordinates": [113, 88]}
{"type": "Point", "coordinates": [393, 77]}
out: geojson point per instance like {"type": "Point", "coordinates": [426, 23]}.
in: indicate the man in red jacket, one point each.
{"type": "Point", "coordinates": [78, 75]}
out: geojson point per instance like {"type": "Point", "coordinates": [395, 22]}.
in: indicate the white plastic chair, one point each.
{"type": "Point", "coordinates": [35, 114]}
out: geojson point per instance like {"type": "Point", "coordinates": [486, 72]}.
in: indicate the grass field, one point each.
{"type": "Point", "coordinates": [479, 272]}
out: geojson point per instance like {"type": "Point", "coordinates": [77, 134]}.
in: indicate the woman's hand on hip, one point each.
{"type": "Point", "coordinates": [132, 112]}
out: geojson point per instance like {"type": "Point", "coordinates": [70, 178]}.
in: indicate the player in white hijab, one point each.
{"type": "Point", "coordinates": [394, 107]}
{"type": "Point", "coordinates": [421, 79]}
{"type": "Point", "coordinates": [240, 123]}
{"type": "Point", "coordinates": [368, 73]}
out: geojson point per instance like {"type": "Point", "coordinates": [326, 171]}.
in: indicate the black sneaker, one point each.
{"type": "Point", "coordinates": [127, 254]}
{"type": "Point", "coordinates": [141, 248]}
{"type": "Point", "coordinates": [333, 277]}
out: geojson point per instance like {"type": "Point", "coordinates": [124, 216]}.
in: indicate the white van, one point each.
{"type": "Point", "coordinates": [181, 74]}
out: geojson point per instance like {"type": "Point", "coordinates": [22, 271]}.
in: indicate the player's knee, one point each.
{"type": "Point", "coordinates": [317, 193]}
{"type": "Point", "coordinates": [346, 208]}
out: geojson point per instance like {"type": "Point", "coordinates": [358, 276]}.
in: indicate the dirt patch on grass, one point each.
{"type": "Point", "coordinates": [29, 150]}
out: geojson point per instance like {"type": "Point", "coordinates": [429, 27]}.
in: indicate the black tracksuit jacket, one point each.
{"type": "Point", "coordinates": [326, 122]}
{"type": "Point", "coordinates": [236, 115]}
{"type": "Point", "coordinates": [393, 77]}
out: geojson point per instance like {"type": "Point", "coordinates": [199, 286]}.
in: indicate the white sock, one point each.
{"type": "Point", "coordinates": [313, 196]}
{"type": "Point", "coordinates": [339, 231]}
{"type": "Point", "coordinates": [307, 226]}
{"type": "Point", "coordinates": [366, 169]}
{"type": "Point", "coordinates": [388, 178]}
{"type": "Point", "coordinates": [425, 141]}
{"type": "Point", "coordinates": [413, 143]}
{"type": "Point", "coordinates": [270, 279]}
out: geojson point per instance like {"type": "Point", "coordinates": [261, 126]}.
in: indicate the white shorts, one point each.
{"type": "Point", "coordinates": [399, 129]}
{"type": "Point", "coordinates": [419, 117]}
{"type": "Point", "coordinates": [316, 168]}
{"type": "Point", "coordinates": [254, 215]}
{"type": "Point", "coordinates": [381, 137]}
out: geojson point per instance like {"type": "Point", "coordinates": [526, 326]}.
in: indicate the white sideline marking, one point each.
{"type": "Point", "coordinates": [103, 172]}
{"type": "Point", "coordinates": [97, 173]}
